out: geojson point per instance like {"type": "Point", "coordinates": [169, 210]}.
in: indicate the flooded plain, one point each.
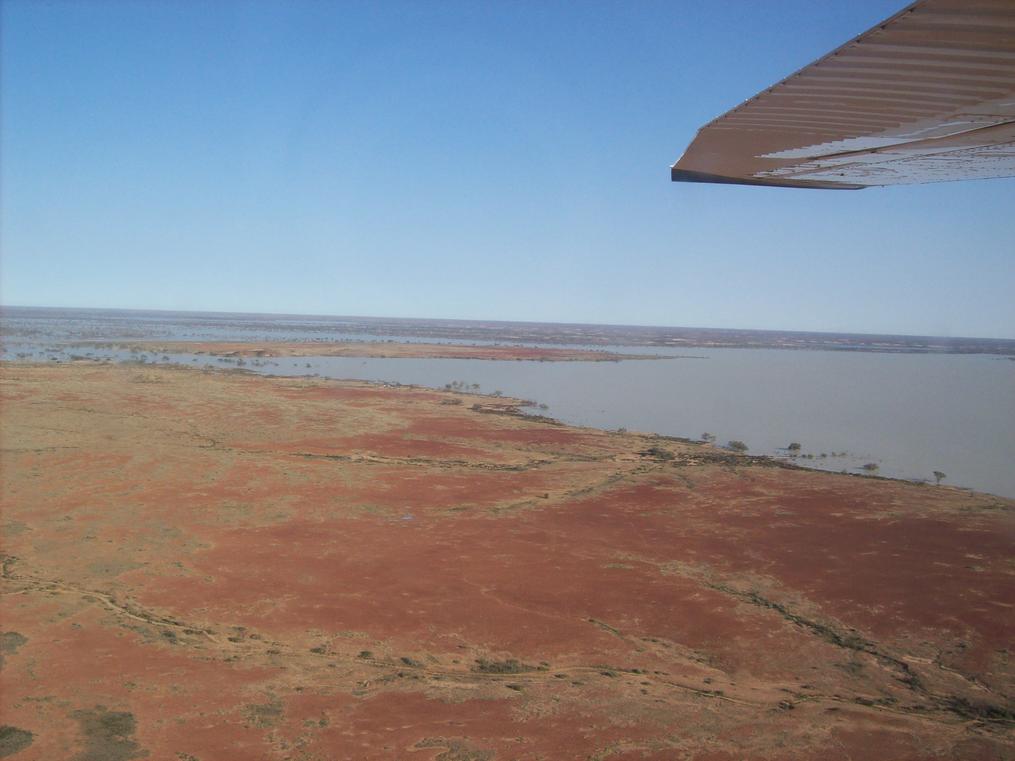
{"type": "Point", "coordinates": [903, 415]}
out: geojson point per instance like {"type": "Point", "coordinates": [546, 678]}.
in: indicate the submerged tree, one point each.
{"type": "Point", "coordinates": [794, 446]}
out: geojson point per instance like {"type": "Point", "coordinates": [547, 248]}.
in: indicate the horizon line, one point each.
{"type": "Point", "coordinates": [506, 322]}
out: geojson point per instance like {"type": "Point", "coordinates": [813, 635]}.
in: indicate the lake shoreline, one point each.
{"type": "Point", "coordinates": [527, 409]}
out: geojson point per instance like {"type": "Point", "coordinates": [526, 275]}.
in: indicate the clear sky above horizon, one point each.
{"type": "Point", "coordinates": [498, 160]}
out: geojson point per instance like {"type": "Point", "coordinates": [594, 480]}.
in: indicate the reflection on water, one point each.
{"type": "Point", "coordinates": [911, 414]}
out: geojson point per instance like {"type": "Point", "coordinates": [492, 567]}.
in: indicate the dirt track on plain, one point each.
{"type": "Point", "coordinates": [211, 565]}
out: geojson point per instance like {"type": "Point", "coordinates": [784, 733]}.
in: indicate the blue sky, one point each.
{"type": "Point", "coordinates": [460, 160]}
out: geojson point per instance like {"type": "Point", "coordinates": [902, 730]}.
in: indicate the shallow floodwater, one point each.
{"type": "Point", "coordinates": [910, 414]}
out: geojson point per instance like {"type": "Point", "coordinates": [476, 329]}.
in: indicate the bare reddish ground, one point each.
{"type": "Point", "coordinates": [853, 551]}
{"type": "Point", "coordinates": [397, 445]}
{"type": "Point", "coordinates": [217, 566]}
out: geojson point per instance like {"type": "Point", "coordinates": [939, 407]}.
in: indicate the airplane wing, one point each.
{"type": "Point", "coordinates": [926, 96]}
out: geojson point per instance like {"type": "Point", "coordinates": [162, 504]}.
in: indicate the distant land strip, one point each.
{"type": "Point", "coordinates": [374, 349]}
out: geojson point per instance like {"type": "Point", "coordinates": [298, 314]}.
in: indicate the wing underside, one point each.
{"type": "Point", "coordinates": [926, 96]}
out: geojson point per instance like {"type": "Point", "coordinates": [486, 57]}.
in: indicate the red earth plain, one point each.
{"type": "Point", "coordinates": [207, 566]}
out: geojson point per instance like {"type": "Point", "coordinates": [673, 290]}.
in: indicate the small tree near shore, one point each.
{"type": "Point", "coordinates": [737, 446]}
{"type": "Point", "coordinates": [794, 446]}
{"type": "Point", "coordinates": [939, 477]}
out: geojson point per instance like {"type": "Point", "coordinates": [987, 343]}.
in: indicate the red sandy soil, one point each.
{"type": "Point", "coordinates": [379, 349]}
{"type": "Point", "coordinates": [209, 565]}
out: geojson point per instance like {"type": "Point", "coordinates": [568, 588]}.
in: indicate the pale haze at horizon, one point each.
{"type": "Point", "coordinates": [456, 160]}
